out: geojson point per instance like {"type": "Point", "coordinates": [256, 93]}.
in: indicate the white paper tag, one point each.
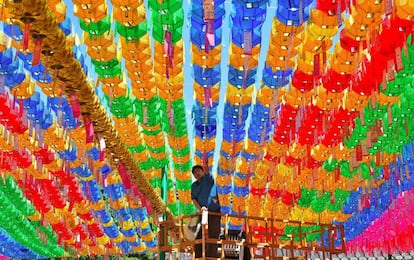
{"type": "Point", "coordinates": [102, 143]}
{"type": "Point", "coordinates": [204, 217]}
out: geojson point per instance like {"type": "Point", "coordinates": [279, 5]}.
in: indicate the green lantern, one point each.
{"type": "Point", "coordinates": [98, 28]}
{"type": "Point", "coordinates": [133, 33]}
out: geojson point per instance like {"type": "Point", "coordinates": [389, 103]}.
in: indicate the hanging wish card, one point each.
{"type": "Point", "coordinates": [398, 59]}
{"type": "Point", "coordinates": [247, 42]}
{"type": "Point", "coordinates": [208, 10]}
{"type": "Point", "coordinates": [390, 70]}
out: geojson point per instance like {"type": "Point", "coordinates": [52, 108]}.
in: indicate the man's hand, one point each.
{"type": "Point", "coordinates": [203, 209]}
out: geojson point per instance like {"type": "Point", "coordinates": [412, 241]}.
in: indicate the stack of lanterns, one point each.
{"type": "Point", "coordinates": [131, 26]}
{"type": "Point", "coordinates": [168, 19]}
{"type": "Point", "coordinates": [47, 132]}
{"type": "Point", "coordinates": [285, 38]}
{"type": "Point", "coordinates": [206, 37]}
{"type": "Point", "coordinates": [247, 19]}
{"type": "Point", "coordinates": [28, 238]}
{"type": "Point", "coordinates": [366, 160]}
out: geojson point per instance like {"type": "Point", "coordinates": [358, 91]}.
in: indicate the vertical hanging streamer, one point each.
{"type": "Point", "coordinates": [389, 113]}
{"type": "Point", "coordinates": [358, 153]}
{"type": "Point", "coordinates": [74, 103]}
{"type": "Point", "coordinates": [208, 102]}
{"type": "Point", "coordinates": [26, 36]}
{"type": "Point", "coordinates": [2, 84]}
{"type": "Point", "coordinates": [145, 114]}
{"type": "Point", "coordinates": [391, 70]}
{"type": "Point", "coordinates": [209, 39]}
{"type": "Point", "coordinates": [388, 7]}
{"type": "Point", "coordinates": [384, 81]}
{"type": "Point", "coordinates": [209, 20]}
{"type": "Point", "coordinates": [88, 128]}
{"type": "Point", "coordinates": [170, 111]}
{"type": "Point", "coordinates": [171, 117]}
{"type": "Point", "coordinates": [386, 173]}
{"type": "Point", "coordinates": [323, 53]}
{"type": "Point", "coordinates": [247, 51]}
{"type": "Point", "coordinates": [124, 176]}
{"type": "Point", "coordinates": [405, 48]}
{"type": "Point", "coordinates": [208, 10]}
{"type": "Point", "coordinates": [338, 13]}
{"type": "Point", "coordinates": [300, 12]}
{"type": "Point", "coordinates": [316, 65]}
{"type": "Point", "coordinates": [398, 59]}
{"type": "Point", "coordinates": [37, 51]}
{"type": "Point", "coordinates": [169, 52]}
{"type": "Point", "coordinates": [247, 42]}
{"type": "Point", "coordinates": [205, 161]}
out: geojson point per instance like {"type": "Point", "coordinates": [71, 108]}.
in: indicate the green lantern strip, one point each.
{"type": "Point", "coordinates": [169, 16]}
{"type": "Point", "coordinates": [14, 210]}
{"type": "Point", "coordinates": [310, 198]}
{"type": "Point", "coordinates": [121, 107]}
{"type": "Point", "coordinates": [313, 233]}
{"type": "Point", "coordinates": [146, 110]}
{"type": "Point", "coordinates": [175, 126]}
{"type": "Point", "coordinates": [133, 33]}
{"type": "Point", "coordinates": [396, 134]}
{"type": "Point", "coordinates": [96, 28]}
{"type": "Point", "coordinates": [153, 128]}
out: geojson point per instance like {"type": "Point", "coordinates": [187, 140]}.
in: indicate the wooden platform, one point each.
{"type": "Point", "coordinates": [261, 237]}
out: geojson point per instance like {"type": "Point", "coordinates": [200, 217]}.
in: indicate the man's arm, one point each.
{"type": "Point", "coordinates": [196, 204]}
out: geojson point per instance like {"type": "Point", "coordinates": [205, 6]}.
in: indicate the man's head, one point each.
{"type": "Point", "coordinates": [198, 172]}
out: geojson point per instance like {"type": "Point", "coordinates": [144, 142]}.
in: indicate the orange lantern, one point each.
{"type": "Point", "coordinates": [238, 96]}
{"type": "Point", "coordinates": [103, 54]}
{"type": "Point", "coordinates": [103, 41]}
{"type": "Point", "coordinates": [59, 10]}
{"type": "Point", "coordinates": [139, 47]}
{"type": "Point", "coordinates": [405, 9]}
{"type": "Point", "coordinates": [24, 90]}
{"type": "Point", "coordinates": [267, 95]}
{"type": "Point", "coordinates": [276, 149]}
{"type": "Point", "coordinates": [178, 143]}
{"type": "Point", "coordinates": [203, 59]}
{"type": "Point", "coordinates": [327, 100]}
{"type": "Point", "coordinates": [91, 14]}
{"type": "Point", "coordinates": [129, 16]}
{"type": "Point", "coordinates": [200, 92]}
{"type": "Point", "coordinates": [126, 4]}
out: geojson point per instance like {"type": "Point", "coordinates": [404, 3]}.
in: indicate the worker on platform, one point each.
{"type": "Point", "coordinates": [204, 196]}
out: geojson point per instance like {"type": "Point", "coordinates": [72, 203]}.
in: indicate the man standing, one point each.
{"type": "Point", "coordinates": [204, 197]}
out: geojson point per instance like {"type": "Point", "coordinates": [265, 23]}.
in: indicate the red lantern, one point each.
{"type": "Point", "coordinates": [350, 44]}
{"type": "Point", "coordinates": [331, 7]}
{"type": "Point", "coordinates": [336, 82]}
{"type": "Point", "coordinates": [44, 155]}
{"type": "Point", "coordinates": [23, 159]}
{"type": "Point", "coordinates": [302, 81]}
